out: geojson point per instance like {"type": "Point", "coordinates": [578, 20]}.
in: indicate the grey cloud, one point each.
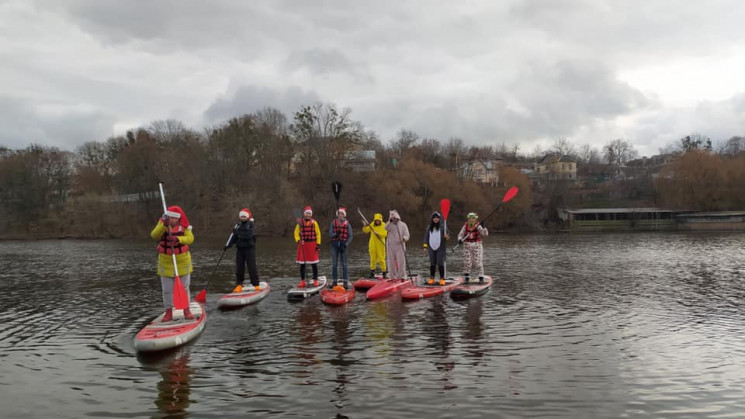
{"type": "Point", "coordinates": [248, 99]}
{"type": "Point", "coordinates": [327, 61]}
{"type": "Point", "coordinates": [23, 124]}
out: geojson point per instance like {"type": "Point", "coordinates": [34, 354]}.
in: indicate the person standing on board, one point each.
{"type": "Point", "coordinates": [308, 238]}
{"type": "Point", "coordinates": [434, 244]}
{"type": "Point", "coordinates": [245, 250]}
{"type": "Point", "coordinates": [473, 250]}
{"type": "Point", "coordinates": [376, 246]}
{"type": "Point", "coordinates": [398, 235]}
{"type": "Point", "coordinates": [174, 235]}
{"type": "Point", "coordinates": [341, 236]}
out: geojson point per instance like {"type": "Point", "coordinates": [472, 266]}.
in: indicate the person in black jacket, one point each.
{"type": "Point", "coordinates": [245, 250]}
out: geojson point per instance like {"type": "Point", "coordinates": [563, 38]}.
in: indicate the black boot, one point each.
{"type": "Point", "coordinates": [372, 273]}
{"type": "Point", "coordinates": [466, 278]}
{"type": "Point", "coordinates": [481, 279]}
{"type": "Point", "coordinates": [385, 274]}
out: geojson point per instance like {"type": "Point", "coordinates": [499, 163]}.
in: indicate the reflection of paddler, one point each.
{"type": "Point", "coordinates": [173, 389]}
{"type": "Point", "coordinates": [306, 327]}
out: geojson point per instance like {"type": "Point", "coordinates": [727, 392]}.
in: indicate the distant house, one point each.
{"type": "Point", "coordinates": [482, 170]}
{"type": "Point", "coordinates": [361, 160]}
{"type": "Point", "coordinates": [646, 166]}
{"type": "Point", "coordinates": [555, 167]}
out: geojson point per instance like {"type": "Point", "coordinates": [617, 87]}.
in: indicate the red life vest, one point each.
{"type": "Point", "coordinates": [341, 230]}
{"type": "Point", "coordinates": [164, 247]}
{"type": "Point", "coordinates": [308, 230]}
{"type": "Point", "coordinates": [472, 235]}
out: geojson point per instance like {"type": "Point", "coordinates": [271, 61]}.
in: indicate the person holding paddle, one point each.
{"type": "Point", "coordinates": [174, 235]}
{"type": "Point", "coordinates": [308, 237]}
{"type": "Point", "coordinates": [473, 250]}
{"type": "Point", "coordinates": [245, 250]}
{"type": "Point", "coordinates": [341, 236]}
{"type": "Point", "coordinates": [398, 235]}
{"type": "Point", "coordinates": [434, 244]}
{"type": "Point", "coordinates": [376, 245]}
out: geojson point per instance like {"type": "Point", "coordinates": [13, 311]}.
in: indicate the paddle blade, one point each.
{"type": "Point", "coordinates": [336, 188]}
{"type": "Point", "coordinates": [510, 194]}
{"type": "Point", "coordinates": [180, 298]}
{"type": "Point", "coordinates": [201, 297]}
{"type": "Point", "coordinates": [445, 208]}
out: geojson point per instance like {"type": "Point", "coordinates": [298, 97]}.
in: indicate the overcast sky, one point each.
{"type": "Point", "coordinates": [489, 72]}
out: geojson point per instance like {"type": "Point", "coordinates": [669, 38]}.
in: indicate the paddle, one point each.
{"type": "Point", "coordinates": [180, 298]}
{"type": "Point", "coordinates": [202, 296]}
{"type": "Point", "coordinates": [445, 210]}
{"type": "Point", "coordinates": [406, 260]}
{"type": "Point", "coordinates": [507, 196]}
{"type": "Point", "coordinates": [298, 214]}
{"type": "Point", "coordinates": [336, 189]}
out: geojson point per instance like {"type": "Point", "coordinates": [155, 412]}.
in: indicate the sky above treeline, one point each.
{"type": "Point", "coordinates": [488, 72]}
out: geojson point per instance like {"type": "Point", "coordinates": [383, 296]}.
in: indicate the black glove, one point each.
{"type": "Point", "coordinates": [460, 241]}
{"type": "Point", "coordinates": [482, 224]}
{"type": "Point", "coordinates": [318, 248]}
{"type": "Point", "coordinates": [226, 247]}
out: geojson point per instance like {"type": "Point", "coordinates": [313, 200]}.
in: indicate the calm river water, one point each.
{"type": "Point", "coordinates": [576, 326]}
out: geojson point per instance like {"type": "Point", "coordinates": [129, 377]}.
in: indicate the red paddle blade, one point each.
{"type": "Point", "coordinates": [510, 194]}
{"type": "Point", "coordinates": [445, 208]}
{"type": "Point", "coordinates": [201, 297]}
{"type": "Point", "coordinates": [180, 299]}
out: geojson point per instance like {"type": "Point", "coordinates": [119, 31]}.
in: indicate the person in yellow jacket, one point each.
{"type": "Point", "coordinates": [376, 246]}
{"type": "Point", "coordinates": [174, 235]}
{"type": "Point", "coordinates": [308, 238]}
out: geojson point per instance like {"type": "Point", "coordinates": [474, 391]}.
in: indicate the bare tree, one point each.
{"type": "Point", "coordinates": [563, 147]}
{"type": "Point", "coordinates": [618, 152]}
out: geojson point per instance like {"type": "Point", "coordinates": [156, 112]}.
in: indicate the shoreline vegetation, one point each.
{"type": "Point", "coordinates": [274, 165]}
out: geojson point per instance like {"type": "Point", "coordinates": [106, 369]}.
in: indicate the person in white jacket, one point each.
{"type": "Point", "coordinates": [398, 235]}
{"type": "Point", "coordinates": [473, 251]}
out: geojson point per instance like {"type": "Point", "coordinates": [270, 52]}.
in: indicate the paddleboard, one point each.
{"type": "Point", "coordinates": [390, 286]}
{"type": "Point", "coordinates": [364, 284]}
{"type": "Point", "coordinates": [249, 295]}
{"type": "Point", "coordinates": [159, 335]}
{"type": "Point", "coordinates": [330, 296]}
{"type": "Point", "coordinates": [473, 288]}
{"type": "Point", "coordinates": [426, 291]}
{"type": "Point", "coordinates": [303, 293]}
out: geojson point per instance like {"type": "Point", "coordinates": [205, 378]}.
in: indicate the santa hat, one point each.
{"type": "Point", "coordinates": [308, 210]}
{"type": "Point", "coordinates": [176, 212]}
{"type": "Point", "coordinates": [341, 210]}
{"type": "Point", "coordinates": [244, 213]}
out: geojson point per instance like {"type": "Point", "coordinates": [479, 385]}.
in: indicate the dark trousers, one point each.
{"type": "Point", "coordinates": [432, 271]}
{"type": "Point", "coordinates": [315, 270]}
{"type": "Point", "coordinates": [246, 256]}
{"type": "Point", "coordinates": [339, 254]}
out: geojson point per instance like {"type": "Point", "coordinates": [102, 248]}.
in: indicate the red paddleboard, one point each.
{"type": "Point", "coordinates": [159, 335]}
{"type": "Point", "coordinates": [364, 284]}
{"type": "Point", "coordinates": [426, 291]}
{"type": "Point", "coordinates": [389, 286]}
{"type": "Point", "coordinates": [473, 289]}
{"type": "Point", "coordinates": [249, 295]}
{"type": "Point", "coordinates": [337, 298]}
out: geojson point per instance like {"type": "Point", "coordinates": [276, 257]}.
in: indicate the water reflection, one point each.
{"type": "Point", "coordinates": [344, 360]}
{"type": "Point", "coordinates": [575, 326]}
{"type": "Point", "coordinates": [173, 390]}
